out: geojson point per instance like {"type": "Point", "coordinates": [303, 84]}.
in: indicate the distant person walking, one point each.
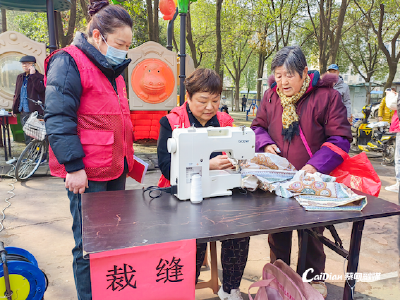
{"type": "Point", "coordinates": [343, 89]}
{"type": "Point", "coordinates": [244, 102]}
{"type": "Point", "coordinates": [29, 85]}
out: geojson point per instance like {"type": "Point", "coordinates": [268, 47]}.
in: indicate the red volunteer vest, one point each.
{"type": "Point", "coordinates": [104, 126]}
{"type": "Point", "coordinates": [179, 116]}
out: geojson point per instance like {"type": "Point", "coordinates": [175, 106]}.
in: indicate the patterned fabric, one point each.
{"type": "Point", "coordinates": [313, 191]}
{"type": "Point", "coordinates": [23, 97]}
{"type": "Point", "coordinates": [234, 255]}
{"type": "Point", "coordinates": [268, 161]}
{"type": "Point", "coordinates": [290, 119]}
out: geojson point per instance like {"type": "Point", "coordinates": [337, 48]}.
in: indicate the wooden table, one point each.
{"type": "Point", "coordinates": [123, 219]}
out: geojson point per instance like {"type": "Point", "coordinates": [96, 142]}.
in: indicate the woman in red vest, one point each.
{"type": "Point", "coordinates": [88, 118]}
{"type": "Point", "coordinates": [203, 92]}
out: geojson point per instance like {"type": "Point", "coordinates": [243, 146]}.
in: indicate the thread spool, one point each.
{"type": "Point", "coordinates": [196, 191]}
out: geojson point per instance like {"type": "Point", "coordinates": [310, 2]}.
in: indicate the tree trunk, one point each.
{"type": "Point", "coordinates": [338, 34]}
{"type": "Point", "coordinates": [3, 20]}
{"type": "Point", "coordinates": [260, 73]}
{"type": "Point", "coordinates": [392, 74]}
{"type": "Point", "coordinates": [66, 39]}
{"type": "Point", "coordinates": [189, 38]}
{"type": "Point", "coordinates": [156, 30]}
{"type": "Point", "coordinates": [149, 8]}
{"type": "Point", "coordinates": [84, 6]}
{"type": "Point", "coordinates": [237, 91]}
{"type": "Point", "coordinates": [217, 66]}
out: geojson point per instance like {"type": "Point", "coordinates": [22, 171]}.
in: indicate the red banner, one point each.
{"type": "Point", "coordinates": [161, 271]}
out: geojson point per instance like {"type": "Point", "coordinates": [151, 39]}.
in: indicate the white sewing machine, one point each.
{"type": "Point", "coordinates": [190, 150]}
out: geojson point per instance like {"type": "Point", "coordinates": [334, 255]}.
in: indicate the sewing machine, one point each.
{"type": "Point", "coordinates": [190, 150]}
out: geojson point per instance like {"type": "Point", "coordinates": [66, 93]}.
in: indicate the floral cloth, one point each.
{"type": "Point", "coordinates": [316, 191]}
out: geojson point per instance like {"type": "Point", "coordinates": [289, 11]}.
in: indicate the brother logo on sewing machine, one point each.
{"type": "Point", "coordinates": [190, 150]}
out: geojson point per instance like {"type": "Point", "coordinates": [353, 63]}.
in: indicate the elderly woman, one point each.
{"type": "Point", "coordinates": [301, 111]}
{"type": "Point", "coordinates": [203, 92]}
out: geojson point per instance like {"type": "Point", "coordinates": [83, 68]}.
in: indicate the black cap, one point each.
{"type": "Point", "coordinates": [28, 58]}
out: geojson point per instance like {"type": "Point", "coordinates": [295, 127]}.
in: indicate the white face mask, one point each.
{"type": "Point", "coordinates": [114, 56]}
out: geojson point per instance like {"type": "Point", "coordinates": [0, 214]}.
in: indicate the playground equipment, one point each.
{"type": "Point", "coordinates": [20, 276]}
{"type": "Point", "coordinates": [252, 106]}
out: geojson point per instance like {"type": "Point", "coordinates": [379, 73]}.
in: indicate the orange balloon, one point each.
{"type": "Point", "coordinates": [153, 81]}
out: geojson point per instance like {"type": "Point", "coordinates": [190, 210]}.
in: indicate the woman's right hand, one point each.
{"type": "Point", "coordinates": [77, 181]}
{"type": "Point", "coordinates": [272, 149]}
{"type": "Point", "coordinates": [220, 162]}
{"type": "Point", "coordinates": [380, 119]}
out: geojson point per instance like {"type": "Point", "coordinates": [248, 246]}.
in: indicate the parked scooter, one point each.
{"type": "Point", "coordinates": [374, 137]}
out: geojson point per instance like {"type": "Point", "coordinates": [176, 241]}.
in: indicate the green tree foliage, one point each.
{"type": "Point", "coordinates": [360, 49]}
{"type": "Point", "coordinates": [383, 19]}
{"type": "Point", "coordinates": [31, 24]}
{"type": "Point", "coordinates": [363, 34]}
{"type": "Point", "coordinates": [138, 13]}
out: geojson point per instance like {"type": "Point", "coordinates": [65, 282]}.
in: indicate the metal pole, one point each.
{"type": "Point", "coordinates": [170, 30]}
{"type": "Point", "coordinates": [51, 25]}
{"type": "Point", "coordinates": [182, 55]}
{"type": "Point", "coordinates": [56, 29]}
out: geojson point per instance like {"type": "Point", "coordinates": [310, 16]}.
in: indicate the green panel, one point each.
{"type": "Point", "coordinates": [34, 5]}
{"type": "Point", "coordinates": [17, 132]}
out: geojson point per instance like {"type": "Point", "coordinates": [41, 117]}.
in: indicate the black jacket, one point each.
{"type": "Point", "coordinates": [63, 93]}
{"type": "Point", "coordinates": [35, 90]}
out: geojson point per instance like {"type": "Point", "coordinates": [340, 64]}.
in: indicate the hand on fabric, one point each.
{"type": "Point", "coordinates": [272, 149]}
{"type": "Point", "coordinates": [380, 119]}
{"type": "Point", "coordinates": [220, 162]}
{"type": "Point", "coordinates": [309, 169]}
{"type": "Point", "coordinates": [77, 182]}
{"type": "Point", "coordinates": [32, 70]}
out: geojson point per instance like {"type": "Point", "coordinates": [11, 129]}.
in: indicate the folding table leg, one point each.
{"type": "Point", "coordinates": [214, 267]}
{"type": "Point", "coordinates": [213, 282]}
{"type": "Point", "coordinates": [301, 262]}
{"type": "Point", "coordinates": [354, 255]}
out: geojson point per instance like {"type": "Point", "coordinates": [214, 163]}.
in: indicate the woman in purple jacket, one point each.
{"type": "Point", "coordinates": [300, 101]}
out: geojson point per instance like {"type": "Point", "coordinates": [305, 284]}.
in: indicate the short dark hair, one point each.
{"type": "Point", "coordinates": [107, 18]}
{"type": "Point", "coordinates": [203, 80]}
{"type": "Point", "coordinates": [292, 58]}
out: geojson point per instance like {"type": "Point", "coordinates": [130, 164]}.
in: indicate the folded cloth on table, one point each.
{"type": "Point", "coordinates": [268, 161]}
{"type": "Point", "coordinates": [316, 191]}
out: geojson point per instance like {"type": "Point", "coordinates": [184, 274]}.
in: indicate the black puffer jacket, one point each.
{"type": "Point", "coordinates": [63, 93]}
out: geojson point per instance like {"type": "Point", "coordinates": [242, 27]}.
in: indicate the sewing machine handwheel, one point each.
{"type": "Point", "coordinates": [171, 145]}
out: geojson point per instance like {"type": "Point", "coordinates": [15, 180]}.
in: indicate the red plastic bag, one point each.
{"type": "Point", "coordinates": [356, 172]}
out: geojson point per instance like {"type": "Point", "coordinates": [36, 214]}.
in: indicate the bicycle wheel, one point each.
{"type": "Point", "coordinates": [30, 159]}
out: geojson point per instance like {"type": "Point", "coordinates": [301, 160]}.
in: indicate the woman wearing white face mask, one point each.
{"type": "Point", "coordinates": [88, 118]}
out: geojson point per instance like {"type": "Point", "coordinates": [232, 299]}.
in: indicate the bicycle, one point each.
{"type": "Point", "coordinates": [36, 151]}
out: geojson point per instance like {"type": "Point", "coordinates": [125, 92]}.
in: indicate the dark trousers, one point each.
{"type": "Point", "coordinates": [81, 266]}
{"type": "Point", "coordinates": [24, 117]}
{"type": "Point", "coordinates": [234, 255]}
{"type": "Point", "coordinates": [280, 245]}
{"type": "Point", "coordinates": [243, 107]}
